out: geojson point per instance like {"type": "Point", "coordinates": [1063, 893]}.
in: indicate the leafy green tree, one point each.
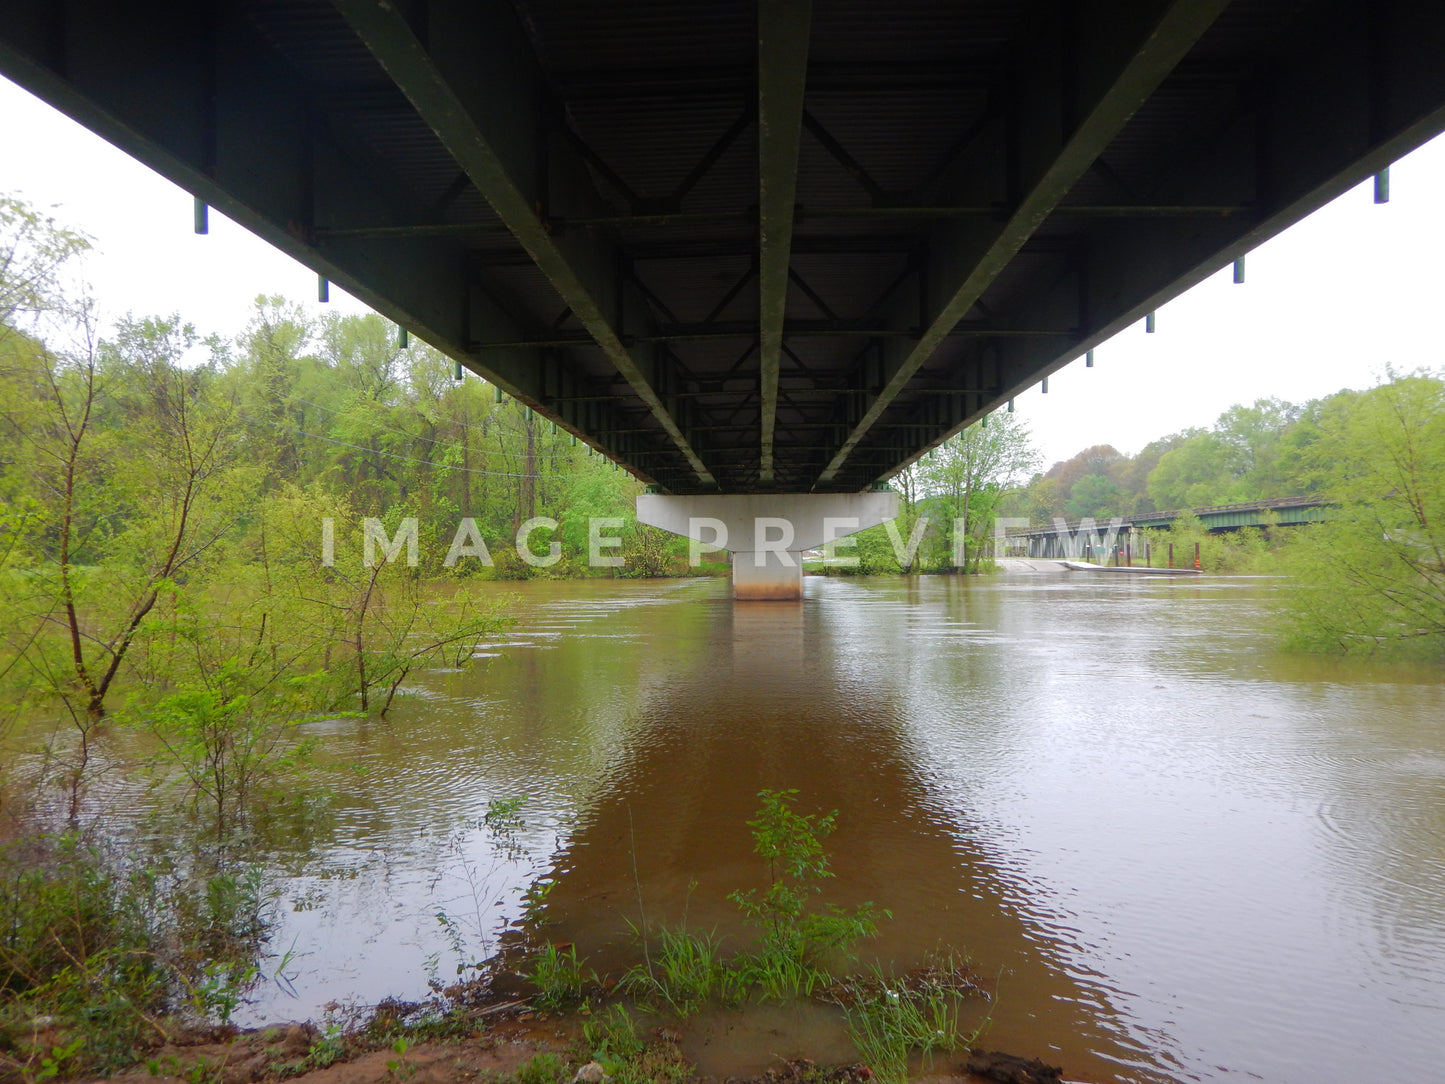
{"type": "Point", "coordinates": [1238, 460]}
{"type": "Point", "coordinates": [1195, 474]}
{"type": "Point", "coordinates": [1373, 576]}
{"type": "Point", "coordinates": [126, 472]}
{"type": "Point", "coordinates": [132, 472]}
{"type": "Point", "coordinates": [1099, 459]}
{"type": "Point", "coordinates": [964, 477]}
{"type": "Point", "coordinates": [34, 254]}
{"type": "Point", "coordinates": [1039, 502]}
{"type": "Point", "coordinates": [1095, 495]}
{"type": "Point", "coordinates": [1302, 470]}
{"type": "Point", "coordinates": [1131, 473]}
{"type": "Point", "coordinates": [267, 382]}
{"type": "Point", "coordinates": [911, 483]}
{"type": "Point", "coordinates": [1252, 434]}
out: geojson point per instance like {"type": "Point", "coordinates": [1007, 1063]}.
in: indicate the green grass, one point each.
{"type": "Point", "coordinates": [626, 1057]}
{"type": "Point", "coordinates": [686, 973]}
{"type": "Point", "coordinates": [110, 948]}
{"type": "Point", "coordinates": [612, 1036]}
{"type": "Point", "coordinates": [890, 1017]}
{"type": "Point", "coordinates": [559, 977]}
{"type": "Point", "coordinates": [543, 1068]}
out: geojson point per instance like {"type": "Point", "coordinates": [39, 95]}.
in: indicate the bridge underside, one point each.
{"type": "Point", "coordinates": [746, 247]}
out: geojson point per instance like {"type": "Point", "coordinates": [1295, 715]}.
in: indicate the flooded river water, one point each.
{"type": "Point", "coordinates": [1178, 854]}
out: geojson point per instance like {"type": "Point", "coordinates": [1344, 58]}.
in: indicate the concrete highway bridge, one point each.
{"type": "Point", "coordinates": [773, 250]}
{"type": "Point", "coordinates": [1099, 537]}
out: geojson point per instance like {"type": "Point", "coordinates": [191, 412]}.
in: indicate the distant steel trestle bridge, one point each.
{"type": "Point", "coordinates": [1091, 537]}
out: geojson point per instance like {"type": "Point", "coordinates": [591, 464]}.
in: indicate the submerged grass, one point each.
{"type": "Point", "coordinates": [612, 1036]}
{"type": "Point", "coordinates": [117, 958]}
{"type": "Point", "coordinates": [797, 938]}
{"type": "Point", "coordinates": [890, 1017]}
{"type": "Point", "coordinates": [559, 976]}
{"type": "Point", "coordinates": [686, 974]}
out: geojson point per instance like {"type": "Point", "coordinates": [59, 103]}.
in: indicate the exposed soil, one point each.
{"type": "Point", "coordinates": [486, 1028]}
{"type": "Point", "coordinates": [493, 1044]}
{"type": "Point", "coordinates": [274, 1054]}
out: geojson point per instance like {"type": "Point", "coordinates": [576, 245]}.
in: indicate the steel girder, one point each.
{"type": "Point", "coordinates": [776, 288]}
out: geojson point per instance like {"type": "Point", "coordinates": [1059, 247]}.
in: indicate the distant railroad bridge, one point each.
{"type": "Point", "coordinates": [1097, 538]}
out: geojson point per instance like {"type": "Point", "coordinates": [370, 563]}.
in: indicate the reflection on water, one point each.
{"type": "Point", "coordinates": [1183, 856]}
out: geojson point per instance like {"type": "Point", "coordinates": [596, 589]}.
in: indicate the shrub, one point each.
{"type": "Point", "coordinates": [796, 939]}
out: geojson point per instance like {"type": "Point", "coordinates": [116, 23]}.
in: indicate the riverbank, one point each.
{"type": "Point", "coordinates": [103, 984]}
{"type": "Point", "coordinates": [507, 1042]}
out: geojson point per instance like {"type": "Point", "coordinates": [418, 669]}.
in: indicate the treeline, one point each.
{"type": "Point", "coordinates": [1267, 450]}
{"type": "Point", "coordinates": [1251, 453]}
{"type": "Point", "coordinates": [337, 404]}
{"type": "Point", "coordinates": [336, 408]}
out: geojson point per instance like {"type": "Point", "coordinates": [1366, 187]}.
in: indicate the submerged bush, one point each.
{"type": "Point", "coordinates": [99, 955]}
{"type": "Point", "coordinates": [61, 905]}
{"type": "Point", "coordinates": [78, 946]}
{"type": "Point", "coordinates": [797, 939]}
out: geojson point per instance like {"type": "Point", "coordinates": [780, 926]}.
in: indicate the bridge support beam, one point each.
{"type": "Point", "coordinates": [766, 534]}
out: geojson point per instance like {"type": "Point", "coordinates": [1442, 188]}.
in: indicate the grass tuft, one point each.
{"type": "Point", "coordinates": [889, 1017]}
{"type": "Point", "coordinates": [687, 973]}
{"type": "Point", "coordinates": [559, 977]}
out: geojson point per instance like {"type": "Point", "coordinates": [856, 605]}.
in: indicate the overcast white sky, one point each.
{"type": "Point", "coordinates": [1327, 305]}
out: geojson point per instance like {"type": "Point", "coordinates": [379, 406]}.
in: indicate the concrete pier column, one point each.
{"type": "Point", "coordinates": [766, 533]}
{"type": "Point", "coordinates": [767, 576]}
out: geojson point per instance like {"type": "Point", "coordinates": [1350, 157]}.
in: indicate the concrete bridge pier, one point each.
{"type": "Point", "coordinates": [766, 533]}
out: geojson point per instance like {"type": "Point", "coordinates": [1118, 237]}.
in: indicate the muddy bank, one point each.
{"type": "Point", "coordinates": [506, 1042]}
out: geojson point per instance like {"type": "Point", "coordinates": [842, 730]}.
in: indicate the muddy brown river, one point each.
{"type": "Point", "coordinates": [1175, 853]}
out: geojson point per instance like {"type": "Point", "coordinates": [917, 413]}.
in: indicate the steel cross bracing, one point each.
{"type": "Point", "coordinates": [789, 245]}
